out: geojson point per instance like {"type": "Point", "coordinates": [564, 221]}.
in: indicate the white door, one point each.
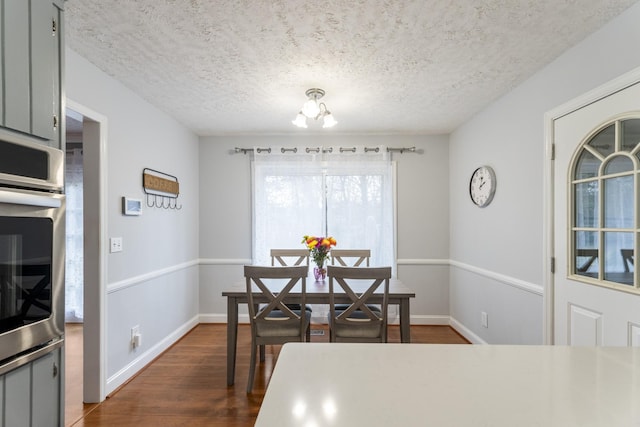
{"type": "Point", "coordinates": [587, 314]}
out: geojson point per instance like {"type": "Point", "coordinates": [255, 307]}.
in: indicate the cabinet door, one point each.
{"type": "Point", "coordinates": [58, 71]}
{"type": "Point", "coordinates": [45, 377]}
{"type": "Point", "coordinates": [16, 65]}
{"type": "Point", "coordinates": [18, 397]}
{"type": "Point", "coordinates": [43, 52]}
{"type": "Point", "coordinates": [30, 52]}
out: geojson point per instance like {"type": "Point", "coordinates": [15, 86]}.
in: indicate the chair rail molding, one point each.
{"type": "Point", "coordinates": [422, 261]}
{"type": "Point", "coordinates": [133, 281]}
{"type": "Point", "coordinates": [225, 261]}
{"type": "Point", "coordinates": [502, 278]}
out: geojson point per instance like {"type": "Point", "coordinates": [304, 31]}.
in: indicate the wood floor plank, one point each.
{"type": "Point", "coordinates": [186, 385]}
{"type": "Point", "coordinates": [73, 354]}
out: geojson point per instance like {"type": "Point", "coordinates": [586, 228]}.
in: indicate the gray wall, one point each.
{"type": "Point", "coordinates": [423, 215]}
{"type": "Point", "coordinates": [153, 282]}
{"type": "Point", "coordinates": [497, 252]}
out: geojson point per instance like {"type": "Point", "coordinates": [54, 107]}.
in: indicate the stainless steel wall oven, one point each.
{"type": "Point", "coordinates": [32, 236]}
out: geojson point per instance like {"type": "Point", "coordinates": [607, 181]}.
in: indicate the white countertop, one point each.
{"type": "Point", "coordinates": [336, 384]}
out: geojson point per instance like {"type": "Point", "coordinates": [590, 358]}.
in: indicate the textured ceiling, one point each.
{"type": "Point", "coordinates": [242, 66]}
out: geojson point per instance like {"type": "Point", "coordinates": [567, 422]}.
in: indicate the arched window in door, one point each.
{"type": "Point", "coordinates": [604, 210]}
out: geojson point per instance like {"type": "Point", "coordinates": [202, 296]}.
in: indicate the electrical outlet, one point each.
{"type": "Point", "coordinates": [115, 244]}
{"type": "Point", "coordinates": [484, 319]}
{"type": "Point", "coordinates": [135, 336]}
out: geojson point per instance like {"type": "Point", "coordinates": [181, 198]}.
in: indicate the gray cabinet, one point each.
{"type": "Point", "coordinates": [32, 394]}
{"type": "Point", "coordinates": [17, 386]}
{"type": "Point", "coordinates": [46, 391]}
{"type": "Point", "coordinates": [15, 29]}
{"type": "Point", "coordinates": [31, 53]}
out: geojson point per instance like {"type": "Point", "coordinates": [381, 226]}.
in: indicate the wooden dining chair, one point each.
{"type": "Point", "coordinates": [627, 259]}
{"type": "Point", "coordinates": [288, 257]}
{"type": "Point", "coordinates": [355, 257]}
{"type": "Point", "coordinates": [351, 258]}
{"type": "Point", "coordinates": [358, 322]}
{"type": "Point", "coordinates": [285, 258]}
{"type": "Point", "coordinates": [275, 322]}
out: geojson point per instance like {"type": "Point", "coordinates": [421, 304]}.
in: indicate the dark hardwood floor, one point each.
{"type": "Point", "coordinates": [74, 409]}
{"type": "Point", "coordinates": [186, 385]}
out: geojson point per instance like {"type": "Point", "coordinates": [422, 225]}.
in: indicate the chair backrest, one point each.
{"type": "Point", "coordinates": [275, 316]}
{"type": "Point", "coordinates": [356, 257]}
{"type": "Point", "coordinates": [627, 259]}
{"type": "Point", "coordinates": [287, 257]}
{"type": "Point", "coordinates": [358, 322]}
{"type": "Point", "coordinates": [590, 254]}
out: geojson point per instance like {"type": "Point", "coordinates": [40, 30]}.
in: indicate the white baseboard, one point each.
{"type": "Point", "coordinates": [465, 332]}
{"type": "Point", "coordinates": [146, 357]}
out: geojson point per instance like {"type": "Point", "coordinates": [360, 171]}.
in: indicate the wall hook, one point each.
{"type": "Point", "coordinates": [164, 188]}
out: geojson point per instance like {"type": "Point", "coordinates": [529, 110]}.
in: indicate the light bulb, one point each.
{"type": "Point", "coordinates": [300, 120]}
{"type": "Point", "coordinates": [311, 109]}
{"type": "Point", "coordinates": [329, 121]}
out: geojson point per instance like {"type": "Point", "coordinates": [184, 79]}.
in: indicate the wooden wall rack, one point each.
{"type": "Point", "coordinates": [161, 189]}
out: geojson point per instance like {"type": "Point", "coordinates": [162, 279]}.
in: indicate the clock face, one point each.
{"type": "Point", "coordinates": [482, 186]}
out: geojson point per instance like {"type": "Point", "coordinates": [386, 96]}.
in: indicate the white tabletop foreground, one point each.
{"type": "Point", "coordinates": [336, 384]}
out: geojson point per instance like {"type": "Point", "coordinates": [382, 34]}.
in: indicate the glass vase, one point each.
{"type": "Point", "coordinates": [319, 273]}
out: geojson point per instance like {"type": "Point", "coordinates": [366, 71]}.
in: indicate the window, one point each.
{"type": "Point", "coordinates": [604, 190]}
{"type": "Point", "coordinates": [347, 195]}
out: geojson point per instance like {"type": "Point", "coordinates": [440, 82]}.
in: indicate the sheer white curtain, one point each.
{"type": "Point", "coordinates": [618, 214]}
{"type": "Point", "coordinates": [74, 264]}
{"type": "Point", "coordinates": [346, 195]}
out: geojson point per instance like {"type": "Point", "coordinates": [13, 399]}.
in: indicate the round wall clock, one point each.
{"type": "Point", "coordinates": [482, 186]}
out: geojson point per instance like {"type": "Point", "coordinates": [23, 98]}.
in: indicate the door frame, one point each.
{"type": "Point", "coordinates": [94, 330]}
{"type": "Point", "coordinates": [620, 83]}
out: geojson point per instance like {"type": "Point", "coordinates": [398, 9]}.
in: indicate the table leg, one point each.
{"type": "Point", "coordinates": [232, 338]}
{"type": "Point", "coordinates": [405, 323]}
{"type": "Point", "coordinates": [256, 308]}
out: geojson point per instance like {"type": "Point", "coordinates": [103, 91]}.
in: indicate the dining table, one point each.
{"type": "Point", "coordinates": [317, 292]}
{"type": "Point", "coordinates": [452, 385]}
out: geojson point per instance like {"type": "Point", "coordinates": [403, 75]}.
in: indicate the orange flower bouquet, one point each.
{"type": "Point", "coordinates": [319, 248]}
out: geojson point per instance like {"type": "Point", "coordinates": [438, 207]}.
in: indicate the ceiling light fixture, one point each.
{"type": "Point", "coordinates": [315, 110]}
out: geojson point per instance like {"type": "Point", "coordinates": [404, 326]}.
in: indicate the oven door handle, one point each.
{"type": "Point", "coordinates": [29, 199]}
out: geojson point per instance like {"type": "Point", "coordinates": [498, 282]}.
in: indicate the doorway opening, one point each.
{"type": "Point", "coordinates": [85, 284]}
{"type": "Point", "coordinates": [74, 267]}
{"type": "Point", "coordinates": [73, 179]}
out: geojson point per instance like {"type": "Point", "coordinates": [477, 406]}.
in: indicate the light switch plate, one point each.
{"type": "Point", "coordinates": [115, 244]}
